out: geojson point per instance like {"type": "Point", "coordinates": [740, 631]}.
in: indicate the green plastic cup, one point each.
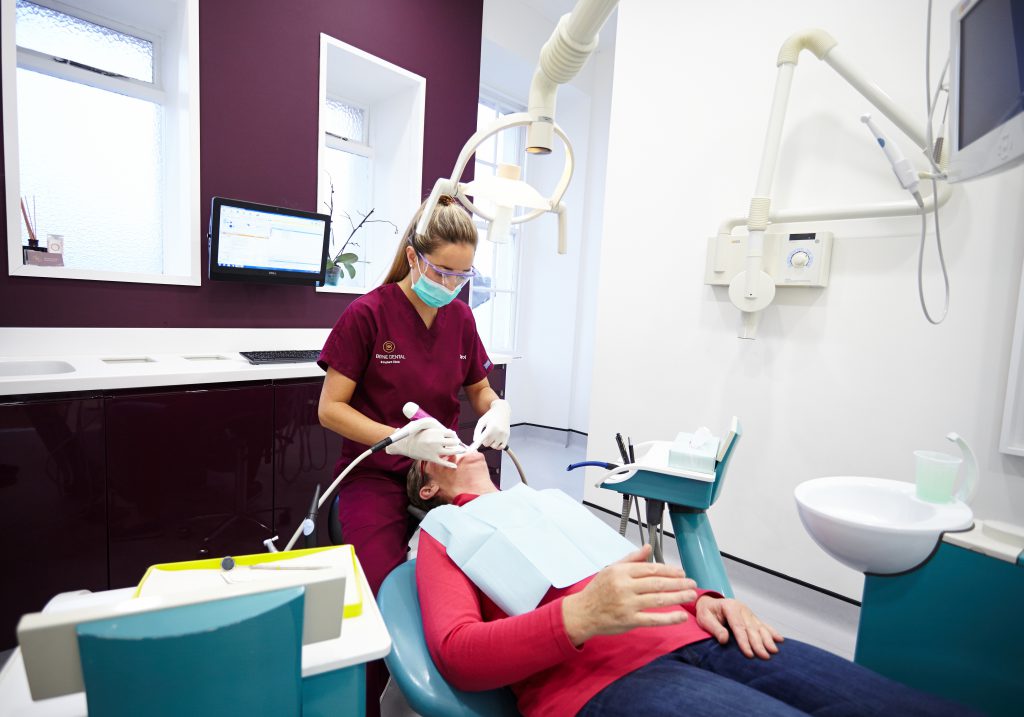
{"type": "Point", "coordinates": [936, 476]}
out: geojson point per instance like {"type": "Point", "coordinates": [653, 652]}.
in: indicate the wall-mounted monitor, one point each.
{"type": "Point", "coordinates": [258, 242]}
{"type": "Point", "coordinates": [987, 88]}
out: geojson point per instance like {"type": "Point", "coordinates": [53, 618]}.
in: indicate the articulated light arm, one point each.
{"type": "Point", "coordinates": [561, 58]}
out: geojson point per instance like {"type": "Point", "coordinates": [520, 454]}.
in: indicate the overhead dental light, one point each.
{"type": "Point", "coordinates": [506, 192]}
{"type": "Point", "coordinates": [561, 58]}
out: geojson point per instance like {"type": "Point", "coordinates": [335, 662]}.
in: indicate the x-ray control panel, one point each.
{"type": "Point", "coordinates": [792, 259]}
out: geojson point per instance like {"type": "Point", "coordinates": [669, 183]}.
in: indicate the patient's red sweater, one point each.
{"type": "Point", "coordinates": [476, 646]}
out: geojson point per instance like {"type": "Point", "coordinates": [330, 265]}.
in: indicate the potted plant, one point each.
{"type": "Point", "coordinates": [345, 258]}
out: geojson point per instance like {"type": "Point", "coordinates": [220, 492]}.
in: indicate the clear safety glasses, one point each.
{"type": "Point", "coordinates": [452, 280]}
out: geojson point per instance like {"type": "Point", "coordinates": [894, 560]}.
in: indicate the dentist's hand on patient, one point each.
{"type": "Point", "coordinates": [493, 428]}
{"type": "Point", "coordinates": [620, 597]}
{"type": "Point", "coordinates": [430, 441]}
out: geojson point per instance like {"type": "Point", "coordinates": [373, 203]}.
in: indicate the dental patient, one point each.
{"type": "Point", "coordinates": [611, 633]}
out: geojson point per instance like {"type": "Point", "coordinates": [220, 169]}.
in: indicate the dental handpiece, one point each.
{"type": "Point", "coordinates": [413, 412]}
{"type": "Point", "coordinates": [901, 166]}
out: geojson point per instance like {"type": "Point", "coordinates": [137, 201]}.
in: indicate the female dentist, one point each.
{"type": "Point", "coordinates": [406, 340]}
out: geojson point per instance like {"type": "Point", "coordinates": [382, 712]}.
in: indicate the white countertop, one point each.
{"type": "Point", "coordinates": [110, 359]}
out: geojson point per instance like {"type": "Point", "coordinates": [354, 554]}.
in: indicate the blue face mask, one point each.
{"type": "Point", "coordinates": [432, 293]}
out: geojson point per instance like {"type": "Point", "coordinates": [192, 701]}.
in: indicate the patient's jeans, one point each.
{"type": "Point", "coordinates": [708, 679]}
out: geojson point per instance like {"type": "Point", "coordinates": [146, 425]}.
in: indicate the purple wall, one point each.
{"type": "Point", "coordinates": [259, 74]}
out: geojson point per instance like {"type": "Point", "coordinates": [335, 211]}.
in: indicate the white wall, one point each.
{"type": "Point", "coordinates": [549, 385]}
{"type": "Point", "coordinates": [848, 380]}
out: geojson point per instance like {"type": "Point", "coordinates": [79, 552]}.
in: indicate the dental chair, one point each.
{"type": "Point", "coordinates": [413, 669]}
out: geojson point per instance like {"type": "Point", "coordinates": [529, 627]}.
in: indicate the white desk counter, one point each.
{"type": "Point", "coordinates": [111, 359]}
{"type": "Point", "coordinates": [363, 638]}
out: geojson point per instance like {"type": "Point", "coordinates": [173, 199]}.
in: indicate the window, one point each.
{"type": "Point", "coordinates": [493, 295]}
{"type": "Point", "coordinates": [348, 162]}
{"type": "Point", "coordinates": [103, 181]}
{"type": "Point", "coordinates": [371, 157]}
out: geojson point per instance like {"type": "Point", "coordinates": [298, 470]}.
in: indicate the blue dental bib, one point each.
{"type": "Point", "coordinates": [517, 544]}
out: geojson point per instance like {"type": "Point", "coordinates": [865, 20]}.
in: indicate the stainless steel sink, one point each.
{"type": "Point", "coordinates": [10, 369]}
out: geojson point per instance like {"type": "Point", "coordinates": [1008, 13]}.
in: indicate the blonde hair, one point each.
{"type": "Point", "coordinates": [415, 479]}
{"type": "Point", "coordinates": [449, 224]}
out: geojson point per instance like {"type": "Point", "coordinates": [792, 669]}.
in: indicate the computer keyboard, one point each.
{"type": "Point", "coordinates": [289, 356]}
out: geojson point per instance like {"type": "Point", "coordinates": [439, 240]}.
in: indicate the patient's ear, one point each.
{"type": "Point", "coordinates": [429, 490]}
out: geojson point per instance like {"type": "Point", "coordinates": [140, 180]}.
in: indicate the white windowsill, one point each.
{"type": "Point", "coordinates": [62, 272]}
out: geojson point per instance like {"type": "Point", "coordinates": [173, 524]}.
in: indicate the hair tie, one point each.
{"type": "Point", "coordinates": [445, 200]}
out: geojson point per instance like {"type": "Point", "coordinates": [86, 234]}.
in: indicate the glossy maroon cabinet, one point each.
{"type": "Point", "coordinates": [304, 455]}
{"type": "Point", "coordinates": [189, 476]}
{"type": "Point", "coordinates": [52, 503]}
{"type": "Point", "coordinates": [96, 488]}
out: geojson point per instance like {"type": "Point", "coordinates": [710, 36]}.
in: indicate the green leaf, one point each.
{"type": "Point", "coordinates": [351, 270]}
{"type": "Point", "coordinates": [346, 258]}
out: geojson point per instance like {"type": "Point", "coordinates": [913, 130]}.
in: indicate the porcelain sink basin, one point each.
{"type": "Point", "coordinates": [875, 525]}
{"type": "Point", "coordinates": [9, 369]}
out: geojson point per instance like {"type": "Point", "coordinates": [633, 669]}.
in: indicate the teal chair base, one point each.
{"type": "Point", "coordinates": [410, 663]}
{"type": "Point", "coordinates": [237, 656]}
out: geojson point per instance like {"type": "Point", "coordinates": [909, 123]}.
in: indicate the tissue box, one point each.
{"type": "Point", "coordinates": [694, 452]}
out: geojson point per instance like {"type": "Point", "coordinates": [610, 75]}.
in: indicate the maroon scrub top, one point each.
{"type": "Point", "coordinates": [382, 344]}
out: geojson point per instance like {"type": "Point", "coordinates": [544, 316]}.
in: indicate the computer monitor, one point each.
{"type": "Point", "coordinates": [258, 242]}
{"type": "Point", "coordinates": [987, 87]}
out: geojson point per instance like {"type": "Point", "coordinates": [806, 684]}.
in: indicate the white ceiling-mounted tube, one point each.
{"type": "Point", "coordinates": [565, 52]}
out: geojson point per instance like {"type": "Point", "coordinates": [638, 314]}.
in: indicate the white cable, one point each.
{"type": "Point", "coordinates": [924, 216]}
{"type": "Point", "coordinates": [327, 494]}
{"type": "Point", "coordinates": [640, 523]}
{"type": "Point", "coordinates": [624, 472]}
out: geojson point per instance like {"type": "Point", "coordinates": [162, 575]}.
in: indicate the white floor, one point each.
{"type": "Point", "coordinates": [794, 610]}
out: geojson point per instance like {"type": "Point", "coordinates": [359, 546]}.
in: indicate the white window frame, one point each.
{"type": "Point", "coordinates": [394, 102]}
{"type": "Point", "coordinates": [181, 231]}
{"type": "Point", "coordinates": [505, 106]}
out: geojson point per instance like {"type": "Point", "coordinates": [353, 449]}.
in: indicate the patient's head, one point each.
{"type": "Point", "coordinates": [431, 484]}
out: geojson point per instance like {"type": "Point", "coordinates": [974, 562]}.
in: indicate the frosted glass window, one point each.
{"type": "Point", "coordinates": [55, 33]}
{"type": "Point", "coordinates": [345, 120]}
{"type": "Point", "coordinates": [91, 164]}
{"type": "Point", "coordinates": [350, 175]}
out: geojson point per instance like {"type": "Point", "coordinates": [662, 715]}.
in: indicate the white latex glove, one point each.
{"type": "Point", "coordinates": [494, 426]}
{"type": "Point", "coordinates": [429, 441]}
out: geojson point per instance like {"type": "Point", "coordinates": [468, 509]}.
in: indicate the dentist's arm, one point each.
{"type": "Point", "coordinates": [336, 414]}
{"type": "Point", "coordinates": [429, 441]}
{"type": "Point", "coordinates": [481, 396]}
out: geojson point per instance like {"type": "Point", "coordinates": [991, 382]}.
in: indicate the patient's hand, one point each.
{"type": "Point", "coordinates": [619, 597]}
{"type": "Point", "coordinates": [753, 637]}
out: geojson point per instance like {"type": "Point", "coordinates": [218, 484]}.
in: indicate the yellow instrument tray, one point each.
{"type": "Point", "coordinates": [166, 577]}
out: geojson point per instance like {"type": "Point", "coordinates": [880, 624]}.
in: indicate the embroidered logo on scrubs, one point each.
{"type": "Point", "coordinates": [389, 356]}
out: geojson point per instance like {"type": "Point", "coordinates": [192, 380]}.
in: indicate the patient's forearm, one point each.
{"type": "Point", "coordinates": [473, 654]}
{"type": "Point", "coordinates": [486, 655]}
